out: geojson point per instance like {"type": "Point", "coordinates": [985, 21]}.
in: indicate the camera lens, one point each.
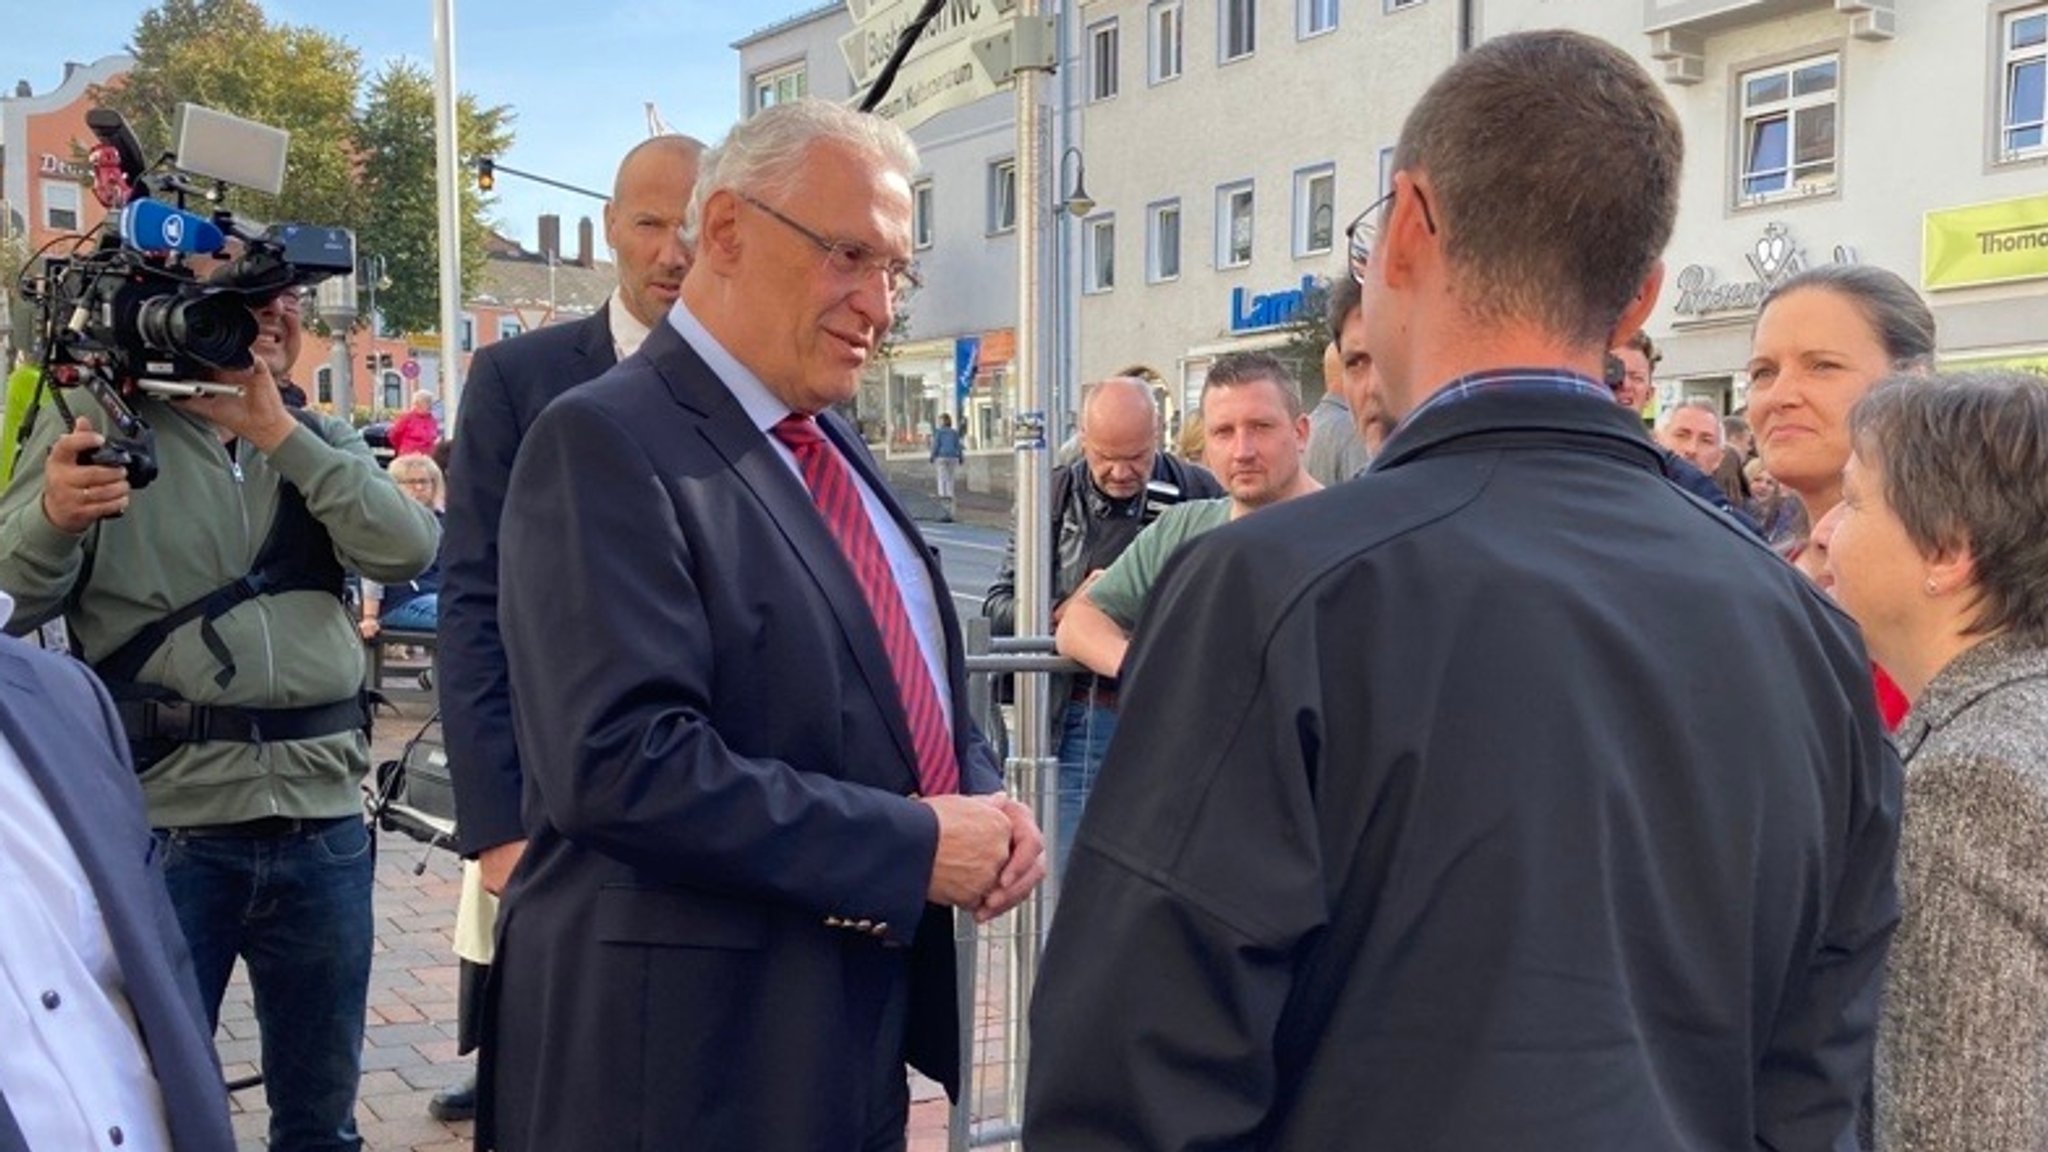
{"type": "Point", "coordinates": [215, 330]}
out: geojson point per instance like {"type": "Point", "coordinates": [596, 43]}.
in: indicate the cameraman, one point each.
{"type": "Point", "coordinates": [211, 603]}
{"type": "Point", "coordinates": [1099, 503]}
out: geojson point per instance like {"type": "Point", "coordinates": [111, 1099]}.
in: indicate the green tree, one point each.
{"type": "Point", "coordinates": [228, 56]}
{"type": "Point", "coordinates": [1308, 335]}
{"type": "Point", "coordinates": [402, 221]}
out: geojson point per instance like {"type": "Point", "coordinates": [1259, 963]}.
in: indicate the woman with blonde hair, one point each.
{"type": "Point", "coordinates": [414, 606]}
{"type": "Point", "coordinates": [1940, 553]}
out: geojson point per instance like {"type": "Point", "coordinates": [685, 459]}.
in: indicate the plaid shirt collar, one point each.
{"type": "Point", "coordinates": [1508, 380]}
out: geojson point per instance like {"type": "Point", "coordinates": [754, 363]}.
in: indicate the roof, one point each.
{"type": "Point", "coordinates": [522, 281]}
{"type": "Point", "coordinates": [785, 24]}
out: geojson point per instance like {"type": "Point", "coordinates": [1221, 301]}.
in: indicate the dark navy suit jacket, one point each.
{"type": "Point", "coordinates": [63, 728]}
{"type": "Point", "coordinates": [718, 930]}
{"type": "Point", "coordinates": [509, 383]}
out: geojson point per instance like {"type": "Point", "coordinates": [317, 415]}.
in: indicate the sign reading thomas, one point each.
{"type": "Point", "coordinates": [1250, 313]}
{"type": "Point", "coordinates": [1996, 243]}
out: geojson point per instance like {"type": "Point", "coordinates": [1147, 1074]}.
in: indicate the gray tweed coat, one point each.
{"type": "Point", "coordinates": [1963, 1041]}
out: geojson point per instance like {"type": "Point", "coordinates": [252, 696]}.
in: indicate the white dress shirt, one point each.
{"type": "Point", "coordinates": [628, 333]}
{"type": "Point", "coordinates": [72, 1065]}
{"type": "Point", "coordinates": [913, 580]}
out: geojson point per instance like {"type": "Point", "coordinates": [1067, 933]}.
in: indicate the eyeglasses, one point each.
{"type": "Point", "coordinates": [851, 260]}
{"type": "Point", "coordinates": [1364, 231]}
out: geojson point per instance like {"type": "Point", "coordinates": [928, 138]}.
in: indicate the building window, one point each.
{"type": "Point", "coordinates": [1102, 51]}
{"type": "Point", "coordinates": [1788, 130]}
{"type": "Point", "coordinates": [1397, 5]}
{"type": "Point", "coordinates": [1162, 242]}
{"type": "Point", "coordinates": [1002, 196]}
{"type": "Point", "coordinates": [323, 385]}
{"type": "Point", "coordinates": [62, 201]}
{"type": "Point", "coordinates": [2023, 115]}
{"type": "Point", "coordinates": [1314, 17]}
{"type": "Point", "coordinates": [1315, 209]}
{"type": "Point", "coordinates": [509, 326]}
{"type": "Point", "coordinates": [921, 214]}
{"type": "Point", "coordinates": [1234, 225]}
{"type": "Point", "coordinates": [1163, 54]}
{"type": "Point", "coordinates": [1098, 255]}
{"type": "Point", "coordinates": [780, 86]}
{"type": "Point", "coordinates": [468, 333]}
{"type": "Point", "coordinates": [394, 391]}
{"type": "Point", "coordinates": [1239, 35]}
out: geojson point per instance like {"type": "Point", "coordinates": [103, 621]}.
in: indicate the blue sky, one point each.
{"type": "Point", "coordinates": [576, 72]}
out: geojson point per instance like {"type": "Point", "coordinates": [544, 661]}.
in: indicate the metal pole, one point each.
{"type": "Point", "coordinates": [446, 151]}
{"type": "Point", "coordinates": [1033, 768]}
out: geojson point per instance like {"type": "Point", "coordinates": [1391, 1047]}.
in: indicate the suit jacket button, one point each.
{"type": "Point", "coordinates": [834, 922]}
{"type": "Point", "coordinates": [51, 1000]}
{"type": "Point", "coordinates": [864, 925]}
{"type": "Point", "coordinates": [116, 1137]}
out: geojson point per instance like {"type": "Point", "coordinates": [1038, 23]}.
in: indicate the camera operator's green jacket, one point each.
{"type": "Point", "coordinates": [200, 525]}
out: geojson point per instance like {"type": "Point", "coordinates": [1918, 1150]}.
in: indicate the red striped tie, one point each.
{"type": "Point", "coordinates": [838, 499]}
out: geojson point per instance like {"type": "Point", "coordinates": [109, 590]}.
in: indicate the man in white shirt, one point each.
{"type": "Point", "coordinates": [106, 1045]}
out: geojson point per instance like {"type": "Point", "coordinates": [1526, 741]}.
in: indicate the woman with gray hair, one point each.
{"type": "Point", "coordinates": [1940, 553]}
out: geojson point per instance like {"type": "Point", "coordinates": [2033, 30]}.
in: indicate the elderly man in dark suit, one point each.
{"type": "Point", "coordinates": [753, 789]}
{"type": "Point", "coordinates": [509, 383]}
{"type": "Point", "coordinates": [106, 1041]}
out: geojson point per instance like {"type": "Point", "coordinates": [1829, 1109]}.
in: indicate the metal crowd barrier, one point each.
{"type": "Point", "coordinates": [998, 961]}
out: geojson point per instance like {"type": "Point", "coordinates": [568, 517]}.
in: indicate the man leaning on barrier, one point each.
{"type": "Point", "coordinates": [245, 716]}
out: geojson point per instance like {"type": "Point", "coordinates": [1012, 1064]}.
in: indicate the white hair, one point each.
{"type": "Point", "coordinates": [765, 153]}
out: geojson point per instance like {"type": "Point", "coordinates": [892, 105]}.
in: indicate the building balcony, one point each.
{"type": "Point", "coordinates": [1679, 29]}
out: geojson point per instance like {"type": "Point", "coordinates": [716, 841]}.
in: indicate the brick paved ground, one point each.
{"type": "Point", "coordinates": [409, 1045]}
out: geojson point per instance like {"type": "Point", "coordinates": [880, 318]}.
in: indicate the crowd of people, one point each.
{"type": "Point", "coordinates": [1392, 809]}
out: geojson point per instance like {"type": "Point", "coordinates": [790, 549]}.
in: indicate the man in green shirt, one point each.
{"type": "Point", "coordinates": [1256, 435]}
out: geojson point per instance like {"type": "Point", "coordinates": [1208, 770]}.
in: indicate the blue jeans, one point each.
{"type": "Point", "coordinates": [419, 614]}
{"type": "Point", "coordinates": [1084, 736]}
{"type": "Point", "coordinates": [296, 908]}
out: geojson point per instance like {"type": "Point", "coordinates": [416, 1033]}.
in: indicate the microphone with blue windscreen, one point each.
{"type": "Point", "coordinates": [153, 226]}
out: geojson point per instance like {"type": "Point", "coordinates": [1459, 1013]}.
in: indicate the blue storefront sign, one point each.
{"type": "Point", "coordinates": [1250, 313]}
{"type": "Point", "coordinates": [966, 352]}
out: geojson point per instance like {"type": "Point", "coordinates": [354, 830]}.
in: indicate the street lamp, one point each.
{"type": "Point", "coordinates": [374, 276]}
{"type": "Point", "coordinates": [1077, 202]}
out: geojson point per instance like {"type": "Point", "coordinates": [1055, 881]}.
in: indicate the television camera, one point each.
{"type": "Point", "coordinates": [127, 311]}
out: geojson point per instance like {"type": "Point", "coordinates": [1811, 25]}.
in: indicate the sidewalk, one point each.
{"type": "Point", "coordinates": [409, 1041]}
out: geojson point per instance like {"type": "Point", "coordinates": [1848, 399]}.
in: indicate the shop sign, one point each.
{"type": "Point", "coordinates": [1985, 244]}
{"type": "Point", "coordinates": [1772, 260]}
{"type": "Point", "coordinates": [1272, 309]}
{"type": "Point", "coordinates": [54, 165]}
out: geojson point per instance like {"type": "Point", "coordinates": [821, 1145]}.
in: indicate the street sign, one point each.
{"type": "Point", "coordinates": [948, 78]}
{"type": "Point", "coordinates": [531, 318]}
{"type": "Point", "coordinates": [874, 37]}
{"type": "Point", "coordinates": [410, 369]}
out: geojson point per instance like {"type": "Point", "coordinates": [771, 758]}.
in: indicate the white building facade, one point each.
{"type": "Point", "coordinates": [1228, 144]}
{"type": "Point", "coordinates": [1903, 133]}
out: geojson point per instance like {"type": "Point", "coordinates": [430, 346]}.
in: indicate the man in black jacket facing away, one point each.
{"type": "Point", "coordinates": [1418, 834]}
{"type": "Point", "coordinates": [1099, 503]}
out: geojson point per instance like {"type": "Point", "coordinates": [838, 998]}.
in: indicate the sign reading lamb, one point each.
{"type": "Point", "coordinates": [878, 24]}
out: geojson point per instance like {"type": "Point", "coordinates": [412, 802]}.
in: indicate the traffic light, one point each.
{"type": "Point", "coordinates": [486, 173]}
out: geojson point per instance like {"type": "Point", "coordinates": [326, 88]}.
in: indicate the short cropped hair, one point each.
{"type": "Point", "coordinates": [1963, 456]}
{"type": "Point", "coordinates": [1734, 426]}
{"type": "Point", "coordinates": [1345, 298]}
{"type": "Point", "coordinates": [1903, 322]}
{"type": "Point", "coordinates": [1235, 369]}
{"type": "Point", "coordinates": [1641, 342]}
{"type": "Point", "coordinates": [1554, 158]}
{"type": "Point", "coordinates": [765, 153]}
{"type": "Point", "coordinates": [1695, 405]}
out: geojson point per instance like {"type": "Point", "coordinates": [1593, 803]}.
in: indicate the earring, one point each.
{"type": "Point", "coordinates": [1933, 588]}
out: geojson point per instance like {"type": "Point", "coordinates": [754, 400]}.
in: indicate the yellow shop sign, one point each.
{"type": "Point", "coordinates": [1985, 244]}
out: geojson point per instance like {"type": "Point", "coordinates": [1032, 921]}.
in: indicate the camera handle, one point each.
{"type": "Point", "coordinates": [132, 444]}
